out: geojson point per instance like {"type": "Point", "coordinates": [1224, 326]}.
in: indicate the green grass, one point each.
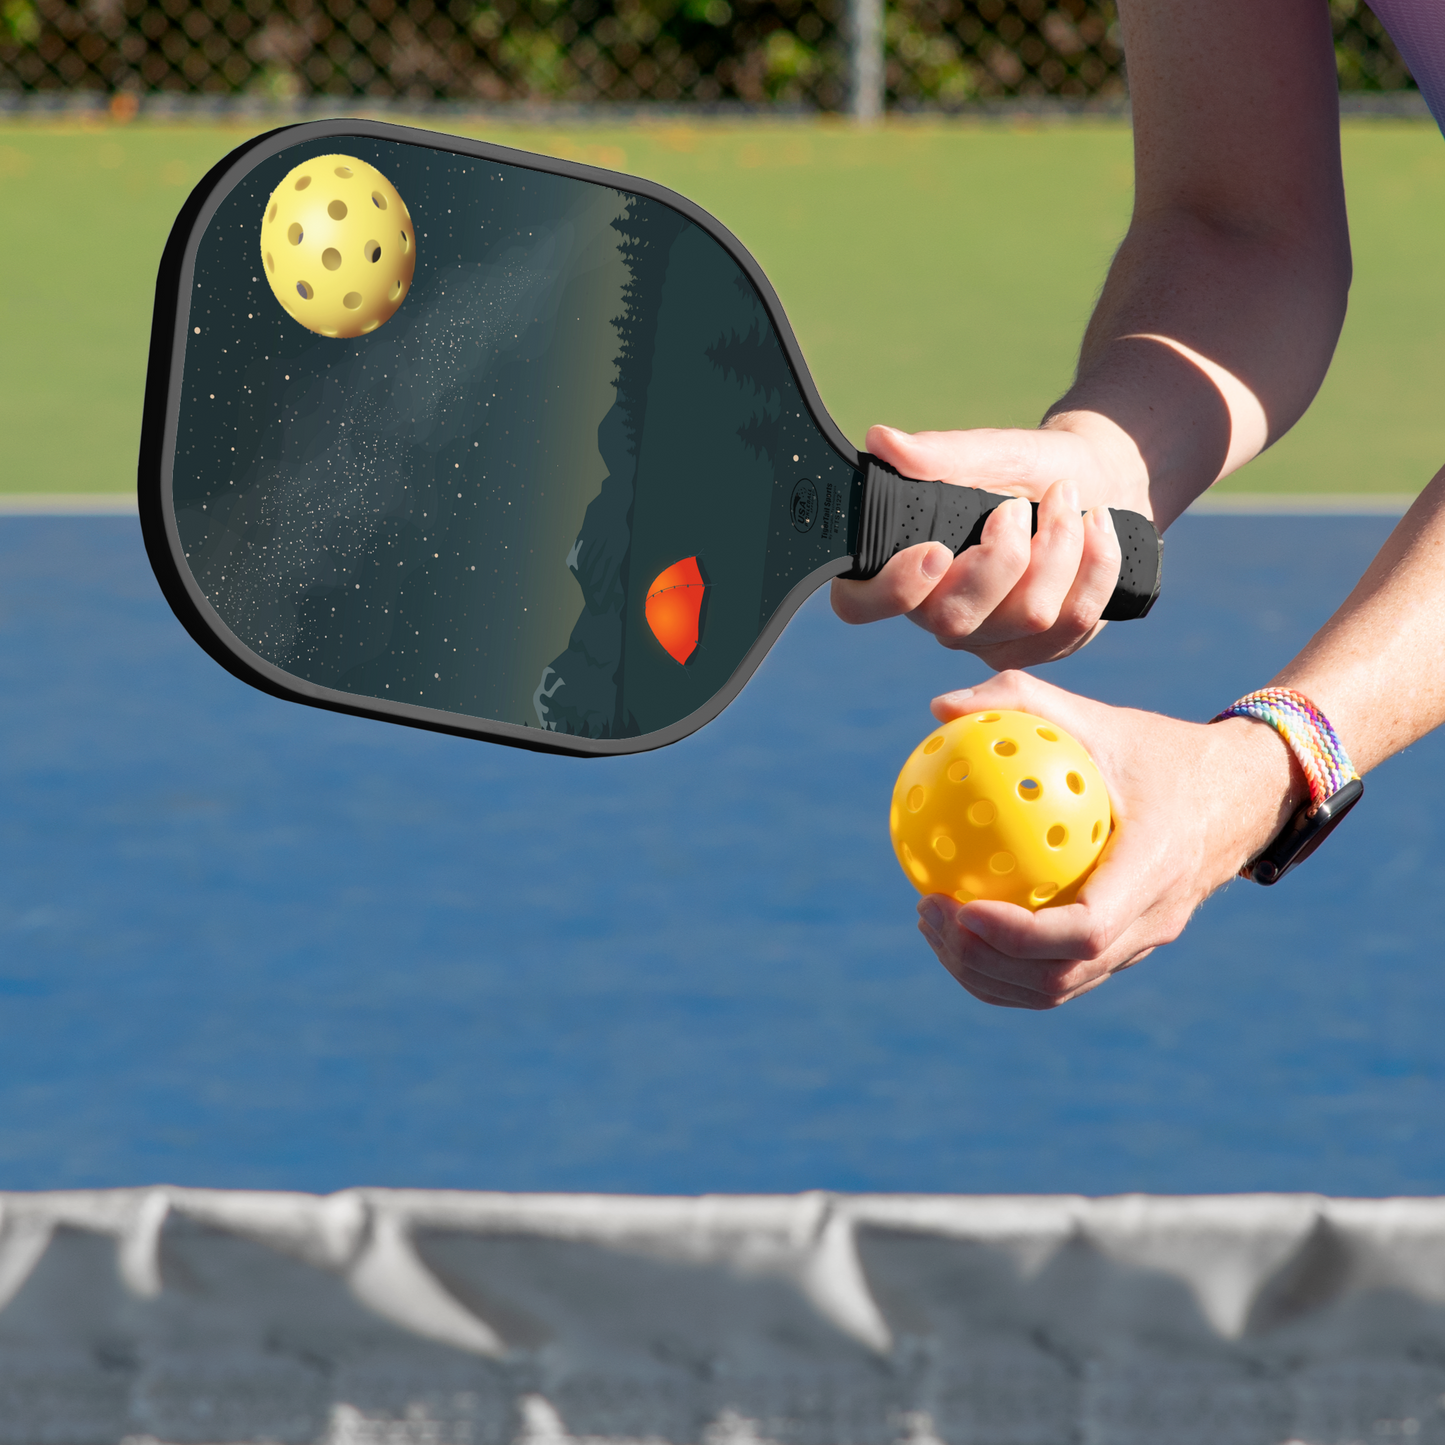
{"type": "Point", "coordinates": [938, 275]}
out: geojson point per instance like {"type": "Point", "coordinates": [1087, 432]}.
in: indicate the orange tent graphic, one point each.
{"type": "Point", "coordinates": [674, 607]}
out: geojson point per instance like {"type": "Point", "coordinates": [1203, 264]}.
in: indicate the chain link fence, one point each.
{"type": "Point", "coordinates": [936, 54]}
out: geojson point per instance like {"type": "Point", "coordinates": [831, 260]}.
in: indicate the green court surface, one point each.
{"type": "Point", "coordinates": [938, 275]}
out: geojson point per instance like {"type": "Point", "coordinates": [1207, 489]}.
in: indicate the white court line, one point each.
{"type": "Point", "coordinates": [67, 504]}
{"type": "Point", "coordinates": [1302, 504]}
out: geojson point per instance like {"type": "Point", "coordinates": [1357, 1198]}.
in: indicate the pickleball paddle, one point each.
{"type": "Point", "coordinates": [566, 489]}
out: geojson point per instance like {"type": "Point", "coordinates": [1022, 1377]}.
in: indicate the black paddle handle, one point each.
{"type": "Point", "coordinates": [899, 512]}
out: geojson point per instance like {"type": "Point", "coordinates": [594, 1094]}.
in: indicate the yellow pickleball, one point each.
{"type": "Point", "coordinates": [1000, 805]}
{"type": "Point", "coordinates": [338, 246]}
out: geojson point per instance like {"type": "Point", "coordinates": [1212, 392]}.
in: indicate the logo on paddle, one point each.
{"type": "Point", "coordinates": [803, 508]}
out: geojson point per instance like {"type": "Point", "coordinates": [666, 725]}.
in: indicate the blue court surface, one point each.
{"type": "Point", "coordinates": [244, 943]}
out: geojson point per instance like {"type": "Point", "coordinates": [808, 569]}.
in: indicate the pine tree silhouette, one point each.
{"type": "Point", "coordinates": [756, 362]}
{"type": "Point", "coordinates": [648, 231]}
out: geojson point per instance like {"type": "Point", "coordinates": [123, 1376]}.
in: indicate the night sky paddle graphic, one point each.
{"type": "Point", "coordinates": [565, 497]}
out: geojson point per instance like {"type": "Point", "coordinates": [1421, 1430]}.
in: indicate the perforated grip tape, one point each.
{"type": "Point", "coordinates": [899, 512]}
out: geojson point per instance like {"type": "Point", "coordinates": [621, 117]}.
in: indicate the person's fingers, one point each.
{"type": "Point", "coordinates": [1102, 926]}
{"type": "Point", "coordinates": [1097, 576]}
{"type": "Point", "coordinates": [1025, 955]}
{"type": "Point", "coordinates": [988, 986]}
{"type": "Point", "coordinates": [1055, 551]}
{"type": "Point", "coordinates": [905, 581]}
{"type": "Point", "coordinates": [1128, 907]}
{"type": "Point", "coordinates": [1024, 692]}
{"type": "Point", "coordinates": [980, 577]}
{"type": "Point", "coordinates": [1078, 617]}
{"type": "Point", "coordinates": [1057, 548]}
{"type": "Point", "coordinates": [1032, 983]}
{"type": "Point", "coordinates": [1011, 983]}
{"type": "Point", "coordinates": [1045, 992]}
{"type": "Point", "coordinates": [962, 950]}
{"type": "Point", "coordinates": [1011, 689]}
{"type": "Point", "coordinates": [1036, 983]}
{"type": "Point", "coordinates": [1069, 569]}
{"type": "Point", "coordinates": [1070, 933]}
{"type": "Point", "coordinates": [988, 992]}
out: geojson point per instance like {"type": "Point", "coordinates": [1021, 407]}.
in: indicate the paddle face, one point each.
{"type": "Point", "coordinates": [564, 489]}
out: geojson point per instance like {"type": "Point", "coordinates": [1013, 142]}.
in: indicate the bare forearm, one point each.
{"type": "Point", "coordinates": [1223, 305]}
{"type": "Point", "coordinates": [1204, 349]}
{"type": "Point", "coordinates": [1377, 667]}
{"type": "Point", "coordinates": [1212, 333]}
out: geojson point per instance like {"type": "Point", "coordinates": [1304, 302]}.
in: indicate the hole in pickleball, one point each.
{"type": "Point", "coordinates": [1002, 862]}
{"type": "Point", "coordinates": [982, 813]}
{"type": "Point", "coordinates": [294, 233]}
{"type": "Point", "coordinates": [303, 183]}
{"type": "Point", "coordinates": [378, 200]}
{"type": "Point", "coordinates": [352, 300]}
{"type": "Point", "coordinates": [372, 251]}
{"type": "Point", "coordinates": [1005, 747]}
{"type": "Point", "coordinates": [270, 261]}
{"type": "Point", "coordinates": [986, 717]}
{"type": "Point", "coordinates": [395, 291]}
{"type": "Point", "coordinates": [1057, 836]}
{"type": "Point", "coordinates": [964, 896]}
{"type": "Point", "coordinates": [916, 795]}
{"type": "Point", "coordinates": [958, 771]}
{"type": "Point", "coordinates": [1075, 782]}
{"type": "Point", "coordinates": [405, 243]}
{"type": "Point", "coordinates": [1047, 734]}
{"type": "Point", "coordinates": [1097, 833]}
{"type": "Point", "coordinates": [272, 215]}
{"type": "Point", "coordinates": [934, 743]}
{"type": "Point", "coordinates": [914, 866]}
{"type": "Point", "coordinates": [303, 289]}
{"type": "Point", "coordinates": [1044, 892]}
{"type": "Point", "coordinates": [945, 847]}
{"type": "Point", "coordinates": [1029, 790]}
{"type": "Point", "coordinates": [344, 172]}
{"type": "Point", "coordinates": [331, 258]}
{"type": "Point", "coordinates": [337, 210]}
{"type": "Point", "coordinates": [370, 325]}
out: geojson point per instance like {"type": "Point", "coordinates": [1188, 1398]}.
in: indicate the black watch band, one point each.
{"type": "Point", "coordinates": [1303, 834]}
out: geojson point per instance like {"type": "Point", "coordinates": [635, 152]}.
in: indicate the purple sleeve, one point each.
{"type": "Point", "coordinates": [1418, 28]}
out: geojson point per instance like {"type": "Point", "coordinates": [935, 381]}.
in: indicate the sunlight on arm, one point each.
{"type": "Point", "coordinates": [1248, 425]}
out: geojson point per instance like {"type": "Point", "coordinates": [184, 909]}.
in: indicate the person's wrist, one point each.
{"type": "Point", "coordinates": [1261, 784]}
{"type": "Point", "coordinates": [1121, 476]}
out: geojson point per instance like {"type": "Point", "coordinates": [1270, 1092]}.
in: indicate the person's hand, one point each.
{"type": "Point", "coordinates": [1192, 803]}
{"type": "Point", "coordinates": [1012, 600]}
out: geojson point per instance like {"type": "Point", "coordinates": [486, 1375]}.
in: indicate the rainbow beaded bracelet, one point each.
{"type": "Point", "coordinates": [1308, 734]}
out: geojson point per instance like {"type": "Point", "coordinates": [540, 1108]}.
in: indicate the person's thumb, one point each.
{"type": "Point", "coordinates": [920, 457]}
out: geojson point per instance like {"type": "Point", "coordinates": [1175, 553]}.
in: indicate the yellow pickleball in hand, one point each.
{"type": "Point", "coordinates": [1000, 805]}
{"type": "Point", "coordinates": [338, 246]}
